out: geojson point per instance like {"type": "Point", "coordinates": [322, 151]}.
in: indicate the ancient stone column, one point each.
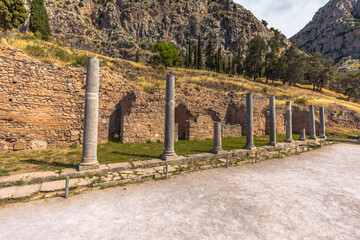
{"type": "Point", "coordinates": [302, 135]}
{"type": "Point", "coordinates": [249, 123]}
{"type": "Point", "coordinates": [169, 151]}
{"type": "Point", "coordinates": [289, 137]}
{"type": "Point", "coordinates": [272, 115]}
{"type": "Point", "coordinates": [322, 123]}
{"type": "Point", "coordinates": [91, 113]}
{"type": "Point", "coordinates": [217, 138]}
{"type": "Point", "coordinates": [312, 123]}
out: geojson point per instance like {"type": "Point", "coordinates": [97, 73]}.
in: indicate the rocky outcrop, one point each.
{"type": "Point", "coordinates": [334, 31]}
{"type": "Point", "coordinates": [118, 27]}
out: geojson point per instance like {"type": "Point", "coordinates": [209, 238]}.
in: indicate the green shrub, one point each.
{"type": "Point", "coordinates": [61, 55]}
{"type": "Point", "coordinates": [74, 145]}
{"type": "Point", "coordinates": [301, 101]}
{"type": "Point", "coordinates": [79, 61]}
{"type": "Point", "coordinates": [29, 37]}
{"type": "Point", "coordinates": [36, 50]}
{"type": "Point", "coordinates": [265, 89]}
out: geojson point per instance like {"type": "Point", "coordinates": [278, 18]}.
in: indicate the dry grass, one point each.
{"type": "Point", "coordinates": [152, 79]}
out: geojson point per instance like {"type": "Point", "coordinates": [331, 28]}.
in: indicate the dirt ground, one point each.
{"type": "Point", "coordinates": [312, 196]}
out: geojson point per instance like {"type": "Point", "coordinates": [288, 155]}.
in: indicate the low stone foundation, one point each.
{"type": "Point", "coordinates": [47, 184]}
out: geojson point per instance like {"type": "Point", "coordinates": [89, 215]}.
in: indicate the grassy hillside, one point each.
{"type": "Point", "coordinates": [153, 78]}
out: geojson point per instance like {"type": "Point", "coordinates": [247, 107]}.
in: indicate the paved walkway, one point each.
{"type": "Point", "coordinates": [312, 196]}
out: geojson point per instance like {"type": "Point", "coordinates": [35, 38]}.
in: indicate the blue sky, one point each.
{"type": "Point", "coordinates": [289, 16]}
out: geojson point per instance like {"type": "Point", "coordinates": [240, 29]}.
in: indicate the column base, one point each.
{"type": "Point", "coordinates": [312, 138]}
{"type": "Point", "coordinates": [273, 144]}
{"type": "Point", "coordinates": [302, 139]}
{"type": "Point", "coordinates": [217, 151]}
{"type": "Point", "coordinates": [250, 147]}
{"type": "Point", "coordinates": [290, 140]}
{"type": "Point", "coordinates": [168, 156]}
{"type": "Point", "coordinates": [84, 167]}
{"type": "Point", "coordinates": [322, 137]}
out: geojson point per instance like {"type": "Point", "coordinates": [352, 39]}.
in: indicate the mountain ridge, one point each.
{"type": "Point", "coordinates": [117, 28]}
{"type": "Point", "coordinates": [334, 31]}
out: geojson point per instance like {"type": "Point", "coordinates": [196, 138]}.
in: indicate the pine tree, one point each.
{"type": "Point", "coordinates": [199, 60]}
{"type": "Point", "coordinates": [254, 59]}
{"type": "Point", "coordinates": [39, 19]}
{"type": "Point", "coordinates": [12, 14]}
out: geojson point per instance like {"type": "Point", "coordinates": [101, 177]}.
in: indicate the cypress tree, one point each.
{"type": "Point", "coordinates": [39, 19]}
{"type": "Point", "coordinates": [190, 55]}
{"type": "Point", "coordinates": [137, 56]}
{"type": "Point", "coordinates": [12, 14]}
{"type": "Point", "coordinates": [199, 60]}
{"type": "Point", "coordinates": [195, 62]}
{"type": "Point", "coordinates": [210, 52]}
{"type": "Point", "coordinates": [218, 59]}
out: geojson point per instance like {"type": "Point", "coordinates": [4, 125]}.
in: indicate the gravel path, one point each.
{"type": "Point", "coordinates": [312, 196]}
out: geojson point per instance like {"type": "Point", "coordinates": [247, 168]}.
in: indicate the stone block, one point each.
{"type": "Point", "coordinates": [38, 145]}
{"type": "Point", "coordinates": [115, 167]}
{"type": "Point", "coordinates": [26, 191]}
{"type": "Point", "coordinates": [20, 145]}
{"type": "Point", "coordinates": [57, 185]}
{"type": "Point", "coordinates": [7, 193]}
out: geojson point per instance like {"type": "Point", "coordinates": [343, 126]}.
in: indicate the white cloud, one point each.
{"type": "Point", "coordinates": [289, 16]}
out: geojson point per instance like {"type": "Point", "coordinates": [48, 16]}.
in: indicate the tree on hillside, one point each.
{"type": "Point", "coordinates": [350, 83]}
{"type": "Point", "coordinates": [12, 14]}
{"type": "Point", "coordinates": [167, 54]}
{"type": "Point", "coordinates": [313, 68]}
{"type": "Point", "coordinates": [254, 59]}
{"type": "Point", "coordinates": [189, 61]}
{"type": "Point", "coordinates": [199, 63]}
{"type": "Point", "coordinates": [210, 52]}
{"type": "Point", "coordinates": [218, 60]}
{"type": "Point", "coordinates": [272, 57]}
{"type": "Point", "coordinates": [238, 52]}
{"type": "Point", "coordinates": [296, 66]}
{"type": "Point", "coordinates": [195, 59]}
{"type": "Point", "coordinates": [39, 19]}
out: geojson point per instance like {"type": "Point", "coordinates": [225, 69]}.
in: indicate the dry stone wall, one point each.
{"type": "Point", "coordinates": [229, 130]}
{"type": "Point", "coordinates": [142, 124]}
{"type": "Point", "coordinates": [41, 105]}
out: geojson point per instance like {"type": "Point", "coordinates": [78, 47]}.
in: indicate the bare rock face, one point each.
{"type": "Point", "coordinates": [334, 31]}
{"type": "Point", "coordinates": [117, 28]}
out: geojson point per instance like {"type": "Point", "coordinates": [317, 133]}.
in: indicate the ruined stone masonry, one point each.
{"type": "Point", "coordinates": [41, 106]}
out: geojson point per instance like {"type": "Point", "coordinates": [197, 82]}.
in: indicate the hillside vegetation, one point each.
{"type": "Point", "coordinates": [152, 78]}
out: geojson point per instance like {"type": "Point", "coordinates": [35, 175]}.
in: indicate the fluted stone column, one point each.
{"type": "Point", "coordinates": [302, 135]}
{"type": "Point", "coordinates": [217, 138]}
{"type": "Point", "coordinates": [322, 123]}
{"type": "Point", "coordinates": [289, 137]}
{"type": "Point", "coordinates": [249, 123]}
{"type": "Point", "coordinates": [91, 114]}
{"type": "Point", "coordinates": [272, 115]}
{"type": "Point", "coordinates": [312, 123]}
{"type": "Point", "coordinates": [169, 151]}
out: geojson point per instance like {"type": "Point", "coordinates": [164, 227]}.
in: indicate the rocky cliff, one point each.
{"type": "Point", "coordinates": [334, 31]}
{"type": "Point", "coordinates": [118, 27]}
